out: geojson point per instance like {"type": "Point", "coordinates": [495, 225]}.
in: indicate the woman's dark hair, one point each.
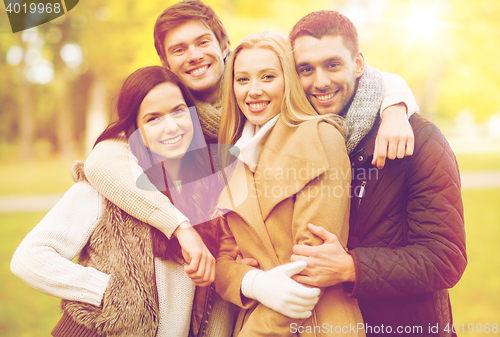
{"type": "Point", "coordinates": [134, 90]}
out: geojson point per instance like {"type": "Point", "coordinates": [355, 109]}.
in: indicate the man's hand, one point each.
{"type": "Point", "coordinates": [201, 263]}
{"type": "Point", "coordinates": [395, 136]}
{"type": "Point", "coordinates": [327, 264]}
{"type": "Point", "coordinates": [249, 261]}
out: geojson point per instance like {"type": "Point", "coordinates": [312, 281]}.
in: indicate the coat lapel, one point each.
{"type": "Point", "coordinates": [240, 196]}
{"type": "Point", "coordinates": [290, 159]}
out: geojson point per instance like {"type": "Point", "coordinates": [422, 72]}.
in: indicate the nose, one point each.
{"type": "Point", "coordinates": [194, 54]}
{"type": "Point", "coordinates": [169, 124]}
{"type": "Point", "coordinates": [321, 80]}
{"type": "Point", "coordinates": [255, 89]}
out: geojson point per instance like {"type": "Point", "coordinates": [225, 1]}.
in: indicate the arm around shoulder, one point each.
{"type": "Point", "coordinates": [113, 170]}
{"type": "Point", "coordinates": [396, 91]}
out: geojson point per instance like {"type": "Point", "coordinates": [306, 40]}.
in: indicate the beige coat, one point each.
{"type": "Point", "coordinates": [303, 176]}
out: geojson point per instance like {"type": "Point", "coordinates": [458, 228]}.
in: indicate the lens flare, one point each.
{"type": "Point", "coordinates": [423, 24]}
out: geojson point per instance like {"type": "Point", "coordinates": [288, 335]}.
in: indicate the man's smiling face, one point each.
{"type": "Point", "coordinates": [194, 55]}
{"type": "Point", "coordinates": [327, 72]}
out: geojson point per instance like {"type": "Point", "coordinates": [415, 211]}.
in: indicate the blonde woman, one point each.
{"type": "Point", "coordinates": [296, 172]}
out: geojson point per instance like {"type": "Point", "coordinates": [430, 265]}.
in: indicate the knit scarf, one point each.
{"type": "Point", "coordinates": [364, 108]}
{"type": "Point", "coordinates": [210, 115]}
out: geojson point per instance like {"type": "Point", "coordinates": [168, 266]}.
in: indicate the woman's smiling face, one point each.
{"type": "Point", "coordinates": [259, 84]}
{"type": "Point", "coordinates": [165, 122]}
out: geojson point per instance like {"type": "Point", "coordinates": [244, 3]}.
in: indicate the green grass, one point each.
{"type": "Point", "coordinates": [479, 161]}
{"type": "Point", "coordinates": [476, 298]}
{"type": "Point", "coordinates": [25, 312]}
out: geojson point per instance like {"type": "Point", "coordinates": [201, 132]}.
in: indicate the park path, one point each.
{"type": "Point", "coordinates": [42, 203]}
{"type": "Point", "coordinates": [28, 203]}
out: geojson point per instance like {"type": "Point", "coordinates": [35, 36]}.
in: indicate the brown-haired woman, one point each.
{"type": "Point", "coordinates": [131, 279]}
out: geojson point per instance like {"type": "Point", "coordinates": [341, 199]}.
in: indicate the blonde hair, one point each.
{"type": "Point", "coordinates": [295, 107]}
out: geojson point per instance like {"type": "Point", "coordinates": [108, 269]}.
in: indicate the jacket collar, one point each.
{"type": "Point", "coordinates": [364, 150]}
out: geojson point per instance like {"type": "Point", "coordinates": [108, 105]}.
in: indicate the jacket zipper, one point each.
{"type": "Point", "coordinates": [361, 192]}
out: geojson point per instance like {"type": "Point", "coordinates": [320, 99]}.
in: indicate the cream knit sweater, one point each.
{"type": "Point", "coordinates": [113, 170]}
{"type": "Point", "coordinates": [43, 261]}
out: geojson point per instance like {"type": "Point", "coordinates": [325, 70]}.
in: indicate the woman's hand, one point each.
{"type": "Point", "coordinates": [276, 290]}
{"type": "Point", "coordinates": [249, 261]}
{"type": "Point", "coordinates": [201, 263]}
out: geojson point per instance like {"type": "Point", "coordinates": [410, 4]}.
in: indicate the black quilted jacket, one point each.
{"type": "Point", "coordinates": [407, 235]}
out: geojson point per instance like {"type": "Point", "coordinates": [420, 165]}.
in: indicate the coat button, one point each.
{"type": "Point", "coordinates": [360, 158]}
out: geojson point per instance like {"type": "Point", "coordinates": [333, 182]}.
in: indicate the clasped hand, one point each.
{"type": "Point", "coordinates": [327, 264]}
{"type": "Point", "coordinates": [276, 290]}
{"type": "Point", "coordinates": [201, 263]}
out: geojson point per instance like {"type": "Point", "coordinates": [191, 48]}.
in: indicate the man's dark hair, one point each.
{"type": "Point", "coordinates": [182, 12]}
{"type": "Point", "coordinates": [326, 22]}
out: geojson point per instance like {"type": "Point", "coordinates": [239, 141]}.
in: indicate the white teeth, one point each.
{"type": "Point", "coordinates": [258, 105]}
{"type": "Point", "coordinates": [198, 71]}
{"type": "Point", "coordinates": [172, 141]}
{"type": "Point", "coordinates": [325, 97]}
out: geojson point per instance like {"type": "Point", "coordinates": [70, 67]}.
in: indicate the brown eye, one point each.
{"type": "Point", "coordinates": [155, 120]}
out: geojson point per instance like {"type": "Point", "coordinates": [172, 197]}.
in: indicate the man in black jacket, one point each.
{"type": "Point", "coordinates": [406, 240]}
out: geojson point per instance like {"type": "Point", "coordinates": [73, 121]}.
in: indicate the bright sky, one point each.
{"type": "Point", "coordinates": [423, 23]}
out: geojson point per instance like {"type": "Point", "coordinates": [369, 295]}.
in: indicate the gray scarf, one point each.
{"type": "Point", "coordinates": [364, 108]}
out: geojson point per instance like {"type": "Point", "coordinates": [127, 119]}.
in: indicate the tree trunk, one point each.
{"type": "Point", "coordinates": [97, 114]}
{"type": "Point", "coordinates": [65, 132]}
{"type": "Point", "coordinates": [26, 120]}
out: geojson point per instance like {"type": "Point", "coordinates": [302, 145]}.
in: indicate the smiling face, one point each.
{"type": "Point", "coordinates": [327, 72]}
{"type": "Point", "coordinates": [259, 84]}
{"type": "Point", "coordinates": [165, 122]}
{"type": "Point", "coordinates": [194, 55]}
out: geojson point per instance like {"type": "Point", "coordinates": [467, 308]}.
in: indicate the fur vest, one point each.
{"type": "Point", "coordinates": [120, 246]}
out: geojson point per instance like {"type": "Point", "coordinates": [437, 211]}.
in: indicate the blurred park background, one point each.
{"type": "Point", "coordinates": [58, 82]}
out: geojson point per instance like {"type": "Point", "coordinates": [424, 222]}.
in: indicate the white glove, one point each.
{"type": "Point", "coordinates": [276, 290]}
